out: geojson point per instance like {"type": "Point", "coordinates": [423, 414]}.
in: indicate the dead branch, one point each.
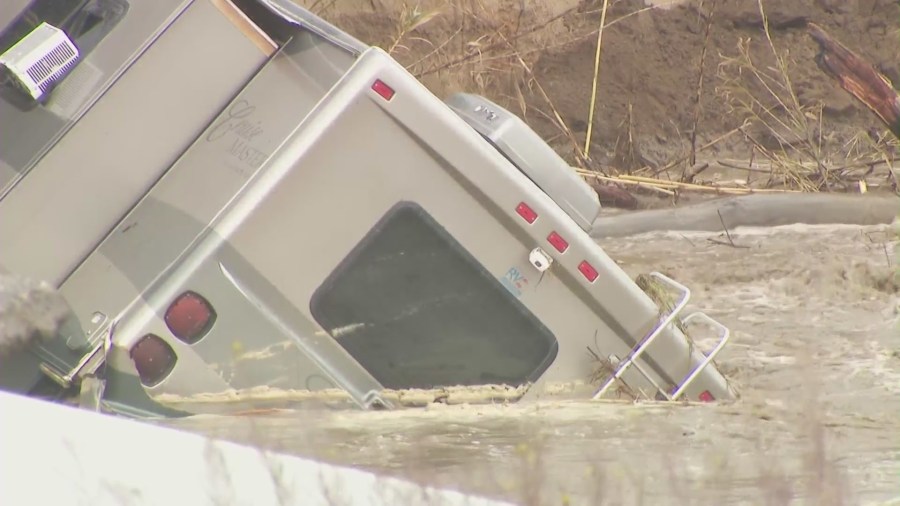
{"type": "Point", "coordinates": [858, 77]}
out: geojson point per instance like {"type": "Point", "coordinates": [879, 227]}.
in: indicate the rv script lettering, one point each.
{"type": "Point", "coordinates": [239, 129]}
{"type": "Point", "coordinates": [514, 281]}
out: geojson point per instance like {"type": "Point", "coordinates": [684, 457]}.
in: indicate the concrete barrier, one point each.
{"type": "Point", "coordinates": [54, 454]}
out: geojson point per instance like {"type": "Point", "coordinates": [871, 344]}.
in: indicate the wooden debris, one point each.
{"type": "Point", "coordinates": [612, 195]}
{"type": "Point", "coordinates": [670, 187]}
{"type": "Point", "coordinates": [858, 77]}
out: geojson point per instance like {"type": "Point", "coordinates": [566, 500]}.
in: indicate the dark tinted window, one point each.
{"type": "Point", "coordinates": [417, 310]}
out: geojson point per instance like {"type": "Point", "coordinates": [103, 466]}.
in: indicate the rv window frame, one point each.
{"type": "Point", "coordinates": [394, 370]}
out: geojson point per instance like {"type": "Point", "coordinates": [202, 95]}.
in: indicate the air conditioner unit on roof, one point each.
{"type": "Point", "coordinates": [40, 59]}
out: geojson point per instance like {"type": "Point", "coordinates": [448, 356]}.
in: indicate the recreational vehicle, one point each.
{"type": "Point", "coordinates": [235, 194]}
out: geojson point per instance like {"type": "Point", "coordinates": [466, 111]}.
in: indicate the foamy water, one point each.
{"type": "Point", "coordinates": [815, 353]}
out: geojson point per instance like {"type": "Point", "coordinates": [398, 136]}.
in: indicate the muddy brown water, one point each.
{"type": "Point", "coordinates": [815, 353]}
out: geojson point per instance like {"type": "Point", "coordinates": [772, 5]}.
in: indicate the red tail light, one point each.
{"type": "Point", "coordinates": [706, 396]}
{"type": "Point", "coordinates": [153, 358]}
{"type": "Point", "coordinates": [190, 317]}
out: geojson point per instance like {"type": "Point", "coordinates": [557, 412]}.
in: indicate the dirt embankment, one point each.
{"type": "Point", "coordinates": [537, 58]}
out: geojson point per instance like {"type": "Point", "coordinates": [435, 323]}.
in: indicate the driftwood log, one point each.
{"type": "Point", "coordinates": [614, 196]}
{"type": "Point", "coordinates": [758, 210]}
{"type": "Point", "coordinates": [858, 77]}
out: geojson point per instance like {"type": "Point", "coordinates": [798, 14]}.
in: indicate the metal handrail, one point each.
{"type": "Point", "coordinates": [636, 353]}
{"type": "Point", "coordinates": [724, 334]}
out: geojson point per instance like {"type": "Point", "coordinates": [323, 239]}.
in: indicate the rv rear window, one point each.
{"type": "Point", "coordinates": [417, 310]}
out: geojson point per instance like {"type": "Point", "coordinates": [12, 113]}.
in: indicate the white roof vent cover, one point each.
{"type": "Point", "coordinates": [40, 59]}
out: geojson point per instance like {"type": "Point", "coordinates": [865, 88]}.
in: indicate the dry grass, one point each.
{"type": "Point", "coordinates": [594, 82]}
{"type": "Point", "coordinates": [490, 47]}
{"type": "Point", "coordinates": [767, 98]}
{"type": "Point", "coordinates": [698, 106]}
{"type": "Point", "coordinates": [410, 19]}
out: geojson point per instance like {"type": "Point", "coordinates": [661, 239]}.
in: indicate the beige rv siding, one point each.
{"type": "Point", "coordinates": [65, 206]}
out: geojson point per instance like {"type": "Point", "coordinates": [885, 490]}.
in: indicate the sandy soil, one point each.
{"type": "Point", "coordinates": [815, 313]}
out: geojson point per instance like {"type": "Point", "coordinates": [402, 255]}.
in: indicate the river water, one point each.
{"type": "Point", "coordinates": [815, 354]}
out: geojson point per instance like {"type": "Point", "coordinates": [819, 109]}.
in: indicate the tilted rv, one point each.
{"type": "Point", "coordinates": [234, 194]}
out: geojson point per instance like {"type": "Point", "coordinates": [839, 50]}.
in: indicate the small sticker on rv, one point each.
{"type": "Point", "coordinates": [514, 281]}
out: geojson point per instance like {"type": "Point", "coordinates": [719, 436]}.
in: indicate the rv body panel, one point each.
{"type": "Point", "coordinates": [126, 273]}
{"type": "Point", "coordinates": [329, 221]}
{"type": "Point", "coordinates": [288, 225]}
{"type": "Point", "coordinates": [69, 200]}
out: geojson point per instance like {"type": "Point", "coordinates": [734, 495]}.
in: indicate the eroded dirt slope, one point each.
{"type": "Point", "coordinates": [650, 64]}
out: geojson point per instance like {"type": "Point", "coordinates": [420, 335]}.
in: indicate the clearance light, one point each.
{"type": "Point", "coordinates": [382, 89]}
{"type": "Point", "coordinates": [588, 271]}
{"type": "Point", "coordinates": [526, 212]}
{"type": "Point", "coordinates": [558, 242]}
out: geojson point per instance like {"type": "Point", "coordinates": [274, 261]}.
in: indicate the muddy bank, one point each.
{"type": "Point", "coordinates": [757, 210]}
{"type": "Point", "coordinates": [651, 75]}
{"type": "Point", "coordinates": [537, 58]}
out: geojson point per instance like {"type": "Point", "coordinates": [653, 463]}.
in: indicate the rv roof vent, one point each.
{"type": "Point", "coordinates": [530, 154]}
{"type": "Point", "coordinates": [40, 59]}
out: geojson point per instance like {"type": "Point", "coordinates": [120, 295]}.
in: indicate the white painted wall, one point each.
{"type": "Point", "coordinates": [58, 455]}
